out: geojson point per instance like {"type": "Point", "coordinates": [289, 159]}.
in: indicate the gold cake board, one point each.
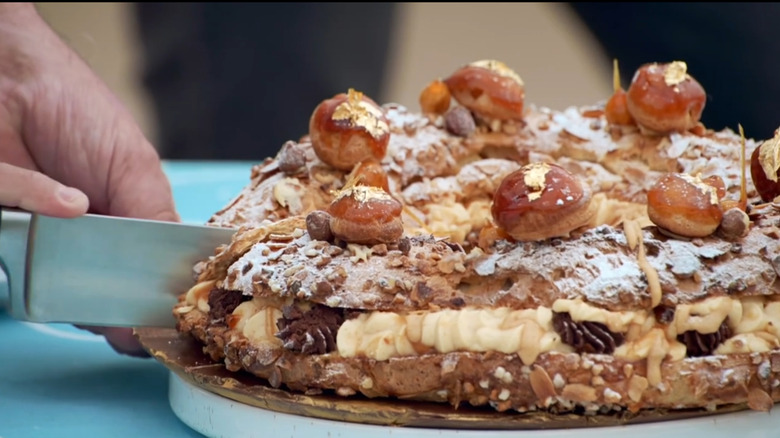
{"type": "Point", "coordinates": [200, 383]}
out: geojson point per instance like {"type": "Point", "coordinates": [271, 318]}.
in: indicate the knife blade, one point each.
{"type": "Point", "coordinates": [100, 270]}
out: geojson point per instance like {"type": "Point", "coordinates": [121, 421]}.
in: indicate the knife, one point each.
{"type": "Point", "coordinates": [100, 270]}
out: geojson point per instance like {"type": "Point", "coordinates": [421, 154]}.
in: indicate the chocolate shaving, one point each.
{"type": "Point", "coordinates": [586, 336]}
{"type": "Point", "coordinates": [223, 302]}
{"type": "Point", "coordinates": [701, 344]}
{"type": "Point", "coordinates": [309, 332]}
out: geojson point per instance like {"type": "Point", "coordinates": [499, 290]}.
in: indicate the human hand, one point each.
{"type": "Point", "coordinates": [67, 145]}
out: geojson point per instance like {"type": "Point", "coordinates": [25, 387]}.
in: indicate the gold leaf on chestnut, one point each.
{"type": "Point", "coordinates": [347, 129]}
{"type": "Point", "coordinates": [684, 205]}
{"type": "Point", "coordinates": [488, 88]}
{"type": "Point", "coordinates": [664, 98]}
{"type": "Point", "coordinates": [366, 215]}
{"type": "Point", "coordinates": [764, 168]}
{"type": "Point", "coordinates": [540, 201]}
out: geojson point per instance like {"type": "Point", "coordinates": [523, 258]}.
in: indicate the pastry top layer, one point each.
{"type": "Point", "coordinates": [446, 181]}
{"type": "Point", "coordinates": [601, 266]}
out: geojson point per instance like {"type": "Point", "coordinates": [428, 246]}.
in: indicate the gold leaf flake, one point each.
{"type": "Point", "coordinates": [534, 179]}
{"type": "Point", "coordinates": [769, 156]}
{"type": "Point", "coordinates": [499, 68]}
{"type": "Point", "coordinates": [361, 114]}
{"type": "Point", "coordinates": [675, 73]}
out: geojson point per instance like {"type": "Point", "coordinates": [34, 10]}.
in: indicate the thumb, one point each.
{"type": "Point", "coordinates": [36, 192]}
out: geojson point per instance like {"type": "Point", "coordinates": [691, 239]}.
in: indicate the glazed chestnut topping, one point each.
{"type": "Point", "coordinates": [664, 98]}
{"type": "Point", "coordinates": [435, 98]}
{"type": "Point", "coordinates": [765, 168]}
{"type": "Point", "coordinates": [616, 110]}
{"type": "Point", "coordinates": [490, 89]}
{"type": "Point", "coordinates": [369, 173]}
{"type": "Point", "coordinates": [684, 205]}
{"type": "Point", "coordinates": [366, 215]}
{"type": "Point", "coordinates": [347, 129]}
{"type": "Point", "coordinates": [541, 200]}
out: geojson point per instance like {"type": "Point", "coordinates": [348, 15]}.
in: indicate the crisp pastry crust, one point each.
{"type": "Point", "coordinates": [617, 315]}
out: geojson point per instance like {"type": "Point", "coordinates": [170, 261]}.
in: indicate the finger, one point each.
{"type": "Point", "coordinates": [139, 187]}
{"type": "Point", "coordinates": [122, 340]}
{"type": "Point", "coordinates": [36, 192]}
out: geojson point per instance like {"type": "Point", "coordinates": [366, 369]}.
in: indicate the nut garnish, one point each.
{"type": "Point", "coordinates": [318, 225]}
{"type": "Point", "coordinates": [735, 224]}
{"type": "Point", "coordinates": [759, 400]}
{"type": "Point", "coordinates": [459, 121]}
{"type": "Point", "coordinates": [291, 158]}
{"type": "Point", "coordinates": [579, 393]}
{"type": "Point", "coordinates": [541, 383]}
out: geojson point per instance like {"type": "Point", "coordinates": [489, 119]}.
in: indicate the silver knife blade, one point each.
{"type": "Point", "coordinates": [100, 270]}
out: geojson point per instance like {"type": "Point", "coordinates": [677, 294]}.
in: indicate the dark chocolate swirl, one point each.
{"type": "Point", "coordinates": [309, 331]}
{"type": "Point", "coordinates": [586, 336]}
{"type": "Point", "coordinates": [700, 344]}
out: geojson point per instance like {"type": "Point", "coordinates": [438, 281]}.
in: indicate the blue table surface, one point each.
{"type": "Point", "coordinates": [59, 381]}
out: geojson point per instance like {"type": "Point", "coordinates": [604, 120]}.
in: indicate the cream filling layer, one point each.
{"type": "Point", "coordinates": [754, 321]}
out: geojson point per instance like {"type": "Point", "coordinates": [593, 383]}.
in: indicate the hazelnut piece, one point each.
{"type": "Point", "coordinates": [664, 98]}
{"type": "Point", "coordinates": [735, 224]}
{"type": "Point", "coordinates": [460, 122]}
{"type": "Point", "coordinates": [366, 215]}
{"type": "Point", "coordinates": [540, 201]}
{"type": "Point", "coordinates": [291, 158]}
{"type": "Point", "coordinates": [347, 129]}
{"type": "Point", "coordinates": [318, 225]}
{"type": "Point", "coordinates": [765, 168]}
{"type": "Point", "coordinates": [435, 98]}
{"type": "Point", "coordinates": [490, 89]}
{"type": "Point", "coordinates": [684, 205]}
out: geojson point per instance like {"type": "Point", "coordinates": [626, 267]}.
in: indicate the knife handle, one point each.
{"type": "Point", "coordinates": [14, 235]}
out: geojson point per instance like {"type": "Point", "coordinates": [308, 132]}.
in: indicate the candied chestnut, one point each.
{"type": "Point", "coordinates": [616, 109]}
{"type": "Point", "coordinates": [765, 167]}
{"type": "Point", "coordinates": [369, 173]}
{"type": "Point", "coordinates": [366, 215]}
{"type": "Point", "coordinates": [664, 98]}
{"type": "Point", "coordinates": [684, 205]}
{"type": "Point", "coordinates": [490, 89]}
{"type": "Point", "coordinates": [540, 201]}
{"type": "Point", "coordinates": [435, 98]}
{"type": "Point", "coordinates": [347, 129]}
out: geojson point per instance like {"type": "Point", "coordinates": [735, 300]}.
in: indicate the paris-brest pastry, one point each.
{"type": "Point", "coordinates": [489, 252]}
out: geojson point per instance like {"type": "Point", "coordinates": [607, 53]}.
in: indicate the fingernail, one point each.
{"type": "Point", "coordinates": [69, 194]}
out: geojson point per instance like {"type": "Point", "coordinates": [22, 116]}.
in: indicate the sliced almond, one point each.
{"type": "Point", "coordinates": [541, 384]}
{"type": "Point", "coordinates": [759, 400]}
{"type": "Point", "coordinates": [579, 393]}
